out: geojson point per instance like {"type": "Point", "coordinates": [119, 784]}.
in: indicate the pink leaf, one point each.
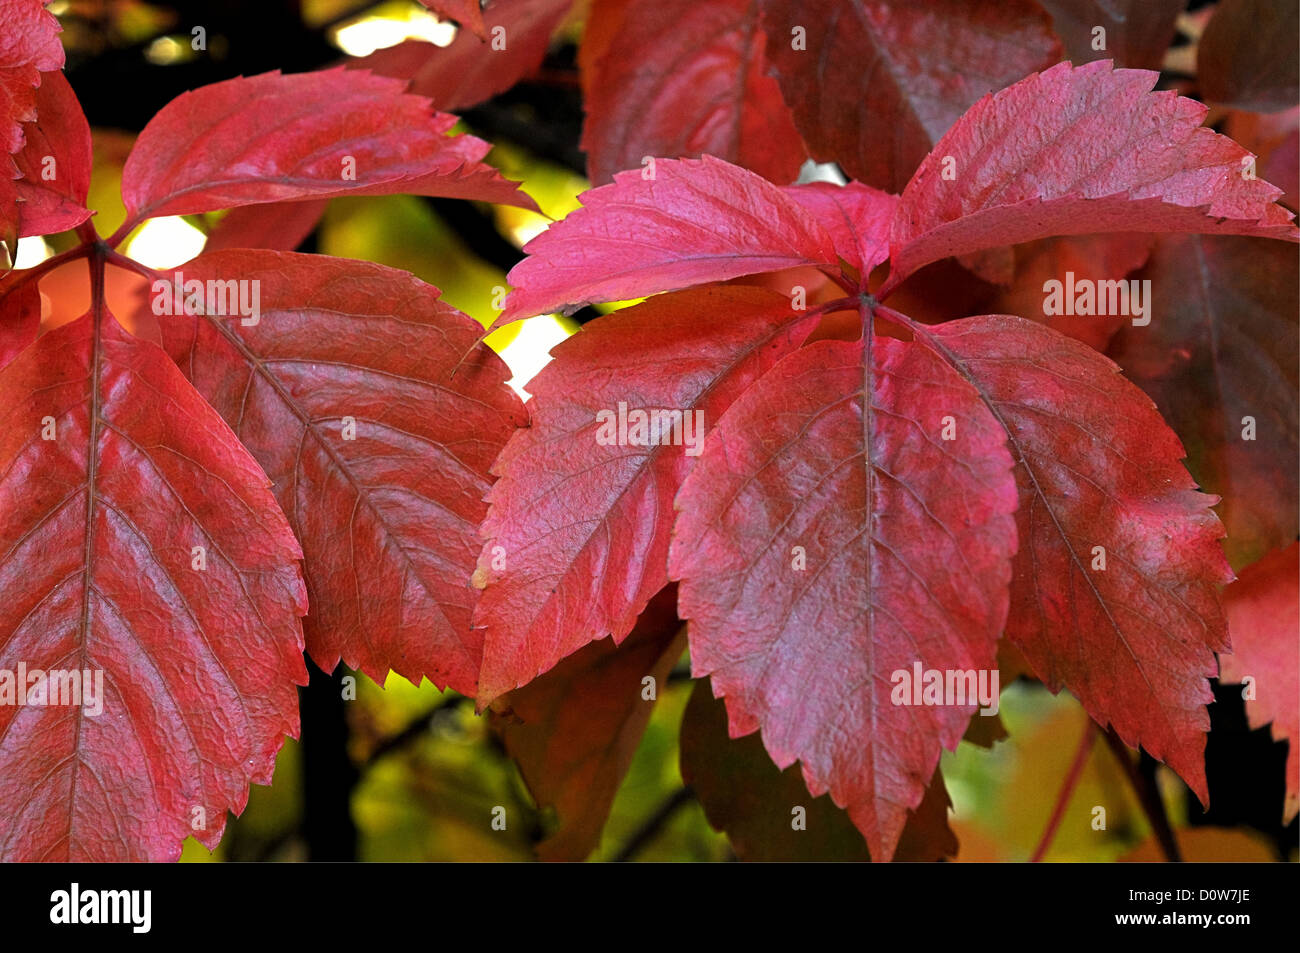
{"type": "Point", "coordinates": [1078, 150]}
{"type": "Point", "coordinates": [677, 223]}
{"type": "Point", "coordinates": [275, 138]}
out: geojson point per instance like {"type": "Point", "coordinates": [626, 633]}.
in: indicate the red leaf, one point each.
{"type": "Point", "coordinates": [55, 162]}
{"type": "Point", "coordinates": [818, 548]}
{"type": "Point", "coordinates": [29, 45]}
{"type": "Point", "coordinates": [97, 528]}
{"type": "Point", "coordinates": [681, 222]}
{"type": "Point", "coordinates": [856, 216]}
{"type": "Point", "coordinates": [20, 315]}
{"type": "Point", "coordinates": [744, 794]}
{"type": "Point", "coordinates": [1074, 151]}
{"type": "Point", "coordinates": [574, 731]}
{"type": "Point", "coordinates": [1275, 139]}
{"type": "Point", "coordinates": [684, 78]}
{"type": "Point", "coordinates": [1136, 32]}
{"type": "Point", "coordinates": [1222, 347]}
{"type": "Point", "coordinates": [874, 85]}
{"type": "Point", "coordinates": [468, 72]}
{"type": "Point", "coordinates": [578, 533]}
{"type": "Point", "coordinates": [1246, 58]}
{"type": "Point", "coordinates": [1263, 609]}
{"type": "Point", "coordinates": [1087, 258]}
{"type": "Point", "coordinates": [281, 226]}
{"type": "Point", "coordinates": [274, 138]}
{"type": "Point", "coordinates": [1097, 467]}
{"type": "Point", "coordinates": [465, 12]}
{"type": "Point", "coordinates": [388, 520]}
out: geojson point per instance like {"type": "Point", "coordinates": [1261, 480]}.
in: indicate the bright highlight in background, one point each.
{"type": "Point", "coordinates": [165, 242]}
{"type": "Point", "coordinates": [31, 252]}
{"type": "Point", "coordinates": [380, 31]}
{"type": "Point", "coordinates": [529, 352]}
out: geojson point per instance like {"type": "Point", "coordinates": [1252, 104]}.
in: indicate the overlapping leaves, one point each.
{"type": "Point", "coordinates": [148, 544]}
{"type": "Point", "coordinates": [901, 497]}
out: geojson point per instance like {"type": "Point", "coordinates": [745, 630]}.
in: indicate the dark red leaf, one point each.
{"type": "Point", "coordinates": [1072, 258]}
{"type": "Point", "coordinates": [97, 529]}
{"type": "Point", "coordinates": [1246, 57]}
{"type": "Point", "coordinates": [578, 533]}
{"type": "Point", "coordinates": [685, 78]}
{"type": "Point", "coordinates": [873, 85]}
{"type": "Point", "coordinates": [469, 71]}
{"type": "Point", "coordinates": [1263, 609]}
{"type": "Point", "coordinates": [1078, 150]}
{"type": "Point", "coordinates": [679, 222]}
{"type": "Point", "coordinates": [1136, 32]}
{"type": "Point", "coordinates": [275, 138]}
{"type": "Point", "coordinates": [744, 794]}
{"type": "Point", "coordinates": [1222, 347]}
{"type": "Point", "coordinates": [574, 730]}
{"type": "Point", "coordinates": [389, 518]}
{"type": "Point", "coordinates": [281, 226]}
{"type": "Point", "coordinates": [827, 540]}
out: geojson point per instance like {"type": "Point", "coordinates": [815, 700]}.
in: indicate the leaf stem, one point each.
{"type": "Point", "coordinates": [654, 822]}
{"type": "Point", "coordinates": [1067, 789]}
{"type": "Point", "coordinates": [49, 264]}
{"type": "Point", "coordinates": [130, 264]}
{"type": "Point", "coordinates": [1148, 797]}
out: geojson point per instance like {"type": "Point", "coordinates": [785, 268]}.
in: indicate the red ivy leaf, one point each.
{"type": "Point", "coordinates": [468, 71]}
{"type": "Point", "coordinates": [1246, 58]}
{"type": "Point", "coordinates": [281, 226]}
{"type": "Point", "coordinates": [744, 794]}
{"type": "Point", "coordinates": [55, 162]}
{"type": "Point", "coordinates": [578, 533]}
{"type": "Point", "coordinates": [273, 138]}
{"type": "Point", "coordinates": [1263, 609]}
{"type": "Point", "coordinates": [683, 78]}
{"type": "Point", "coordinates": [20, 315]}
{"type": "Point", "coordinates": [1077, 150]}
{"type": "Point", "coordinates": [828, 538]}
{"type": "Point", "coordinates": [1130, 630]}
{"type": "Point", "coordinates": [97, 529]}
{"type": "Point", "coordinates": [1222, 347]}
{"type": "Point", "coordinates": [575, 730]}
{"type": "Point", "coordinates": [856, 216]}
{"type": "Point", "coordinates": [388, 520]}
{"type": "Point", "coordinates": [29, 45]}
{"type": "Point", "coordinates": [873, 85]}
{"type": "Point", "coordinates": [1086, 257]}
{"type": "Point", "coordinates": [1137, 32]}
{"type": "Point", "coordinates": [681, 222]}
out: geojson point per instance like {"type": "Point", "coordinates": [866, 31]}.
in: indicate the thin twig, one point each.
{"type": "Point", "coordinates": [1067, 789]}
{"type": "Point", "coordinates": [414, 729]}
{"type": "Point", "coordinates": [1148, 798]}
{"type": "Point", "coordinates": [654, 823]}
